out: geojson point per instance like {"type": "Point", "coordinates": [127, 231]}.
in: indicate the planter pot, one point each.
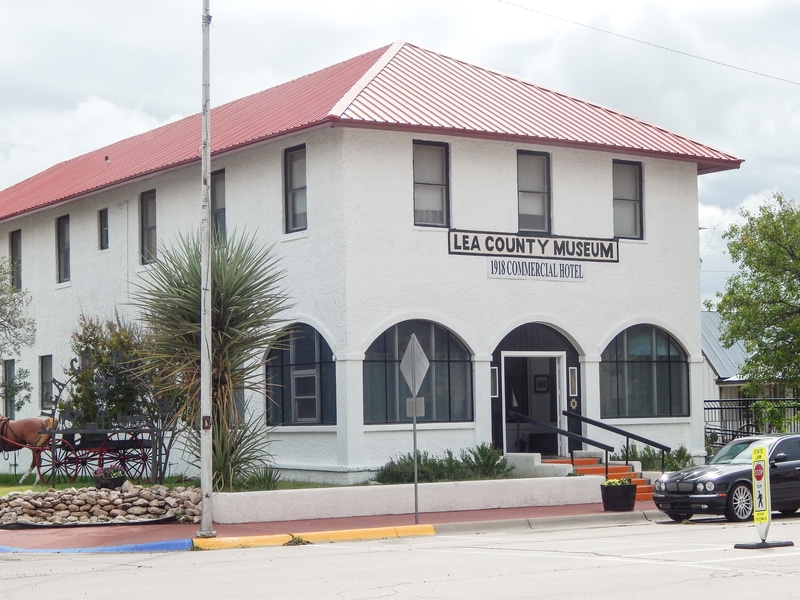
{"type": "Point", "coordinates": [618, 498]}
{"type": "Point", "coordinates": [109, 482]}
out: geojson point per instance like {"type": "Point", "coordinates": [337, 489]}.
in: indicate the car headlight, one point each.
{"type": "Point", "coordinates": [700, 487]}
{"type": "Point", "coordinates": [710, 486]}
{"type": "Point", "coordinates": [659, 486]}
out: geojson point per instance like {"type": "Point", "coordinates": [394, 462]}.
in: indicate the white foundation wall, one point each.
{"type": "Point", "coordinates": [362, 266]}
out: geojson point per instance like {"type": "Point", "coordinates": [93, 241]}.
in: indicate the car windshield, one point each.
{"type": "Point", "coordinates": [739, 452]}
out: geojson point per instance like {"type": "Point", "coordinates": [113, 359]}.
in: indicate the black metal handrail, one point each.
{"type": "Point", "coordinates": [568, 434]}
{"type": "Point", "coordinates": [628, 436]}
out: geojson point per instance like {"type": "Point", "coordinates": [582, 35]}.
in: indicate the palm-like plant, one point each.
{"type": "Point", "coordinates": [246, 302]}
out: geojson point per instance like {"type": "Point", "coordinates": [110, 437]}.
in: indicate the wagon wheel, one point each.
{"type": "Point", "coordinates": [59, 461]}
{"type": "Point", "coordinates": [86, 461]}
{"type": "Point", "coordinates": [154, 452]}
{"type": "Point", "coordinates": [126, 450]}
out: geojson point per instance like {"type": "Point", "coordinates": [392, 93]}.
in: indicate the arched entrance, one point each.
{"type": "Point", "coordinates": [538, 376]}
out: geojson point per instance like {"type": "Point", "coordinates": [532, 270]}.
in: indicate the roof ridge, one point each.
{"type": "Point", "coordinates": [370, 74]}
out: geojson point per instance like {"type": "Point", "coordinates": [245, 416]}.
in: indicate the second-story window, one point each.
{"type": "Point", "coordinates": [15, 257]}
{"type": "Point", "coordinates": [627, 181]}
{"type": "Point", "coordinates": [533, 192]}
{"type": "Point", "coordinates": [218, 205]}
{"type": "Point", "coordinates": [147, 219]}
{"type": "Point", "coordinates": [102, 229]}
{"type": "Point", "coordinates": [431, 193]}
{"type": "Point", "coordinates": [62, 249]}
{"type": "Point", "coordinates": [294, 164]}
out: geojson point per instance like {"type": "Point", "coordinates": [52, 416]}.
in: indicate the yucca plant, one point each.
{"type": "Point", "coordinates": [246, 303]}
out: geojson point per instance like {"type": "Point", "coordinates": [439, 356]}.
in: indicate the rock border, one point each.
{"type": "Point", "coordinates": [130, 503]}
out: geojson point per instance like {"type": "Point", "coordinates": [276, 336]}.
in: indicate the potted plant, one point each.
{"type": "Point", "coordinates": [619, 495]}
{"type": "Point", "coordinates": [110, 477]}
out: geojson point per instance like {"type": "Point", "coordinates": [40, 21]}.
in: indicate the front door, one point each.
{"type": "Point", "coordinates": [533, 386]}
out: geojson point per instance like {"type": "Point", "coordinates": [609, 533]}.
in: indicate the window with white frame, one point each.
{"type": "Point", "coordinates": [148, 230]}
{"type": "Point", "coordinates": [102, 229]}
{"type": "Point", "coordinates": [9, 398]}
{"type": "Point", "coordinates": [533, 191]}
{"type": "Point", "coordinates": [295, 204]}
{"type": "Point", "coordinates": [46, 403]}
{"type": "Point", "coordinates": [627, 183]}
{"type": "Point", "coordinates": [301, 380]}
{"type": "Point", "coordinates": [431, 184]}
{"type": "Point", "coordinates": [644, 372]}
{"type": "Point", "coordinates": [15, 258]}
{"type": "Point", "coordinates": [218, 206]}
{"type": "Point", "coordinates": [62, 249]}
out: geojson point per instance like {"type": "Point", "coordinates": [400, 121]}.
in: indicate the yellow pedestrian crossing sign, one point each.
{"type": "Point", "coordinates": [761, 500]}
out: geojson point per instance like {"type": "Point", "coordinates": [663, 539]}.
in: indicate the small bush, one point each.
{"type": "Point", "coordinates": [482, 462]}
{"type": "Point", "coordinates": [675, 460]}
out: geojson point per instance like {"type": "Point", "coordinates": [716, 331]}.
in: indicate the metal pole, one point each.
{"type": "Point", "coordinates": [414, 412]}
{"type": "Point", "coordinates": [206, 405]}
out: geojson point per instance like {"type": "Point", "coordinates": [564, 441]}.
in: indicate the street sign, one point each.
{"type": "Point", "coordinates": [761, 500]}
{"type": "Point", "coordinates": [414, 365]}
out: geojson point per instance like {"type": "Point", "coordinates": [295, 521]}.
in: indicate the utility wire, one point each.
{"type": "Point", "coordinates": [646, 43]}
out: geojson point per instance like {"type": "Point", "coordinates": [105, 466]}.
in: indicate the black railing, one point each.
{"type": "Point", "coordinates": [627, 434]}
{"type": "Point", "coordinates": [568, 434]}
{"type": "Point", "coordinates": [726, 420]}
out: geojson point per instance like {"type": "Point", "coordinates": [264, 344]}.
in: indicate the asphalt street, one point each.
{"type": "Point", "coordinates": [561, 558]}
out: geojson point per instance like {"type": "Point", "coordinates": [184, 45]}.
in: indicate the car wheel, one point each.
{"type": "Point", "coordinates": [679, 517]}
{"type": "Point", "coordinates": [740, 503]}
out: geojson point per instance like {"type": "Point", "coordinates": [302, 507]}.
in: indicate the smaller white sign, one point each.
{"type": "Point", "coordinates": [523, 268]}
{"type": "Point", "coordinates": [420, 402]}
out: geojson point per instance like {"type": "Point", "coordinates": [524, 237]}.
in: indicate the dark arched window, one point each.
{"type": "Point", "coordinates": [301, 380]}
{"type": "Point", "coordinates": [446, 388]}
{"type": "Point", "coordinates": [644, 373]}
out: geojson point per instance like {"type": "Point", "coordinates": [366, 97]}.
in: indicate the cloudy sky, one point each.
{"type": "Point", "coordinates": [81, 74]}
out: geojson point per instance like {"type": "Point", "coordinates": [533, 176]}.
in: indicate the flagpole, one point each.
{"type": "Point", "coordinates": [206, 404]}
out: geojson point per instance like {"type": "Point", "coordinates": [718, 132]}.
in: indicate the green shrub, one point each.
{"type": "Point", "coordinates": [675, 460]}
{"type": "Point", "coordinates": [482, 462]}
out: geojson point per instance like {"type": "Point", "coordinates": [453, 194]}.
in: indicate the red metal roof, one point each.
{"type": "Point", "coordinates": [397, 87]}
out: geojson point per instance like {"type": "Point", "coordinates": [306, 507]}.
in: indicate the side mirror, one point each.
{"type": "Point", "coordinates": [779, 458]}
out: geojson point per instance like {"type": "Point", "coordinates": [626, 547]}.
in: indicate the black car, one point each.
{"type": "Point", "coordinates": [724, 485]}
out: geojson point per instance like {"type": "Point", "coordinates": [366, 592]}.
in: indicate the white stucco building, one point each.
{"type": "Point", "coordinates": [543, 250]}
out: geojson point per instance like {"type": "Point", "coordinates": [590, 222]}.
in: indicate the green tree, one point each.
{"type": "Point", "coordinates": [246, 301]}
{"type": "Point", "coordinates": [760, 306]}
{"type": "Point", "coordinates": [16, 331]}
{"type": "Point", "coordinates": [103, 386]}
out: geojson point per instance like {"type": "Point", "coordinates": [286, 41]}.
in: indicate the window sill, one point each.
{"type": "Point", "coordinates": [295, 235]}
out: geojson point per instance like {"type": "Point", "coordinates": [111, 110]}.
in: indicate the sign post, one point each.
{"type": "Point", "coordinates": [414, 366]}
{"type": "Point", "coordinates": [762, 506]}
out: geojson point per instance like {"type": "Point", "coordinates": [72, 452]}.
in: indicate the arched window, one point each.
{"type": "Point", "coordinates": [446, 388]}
{"type": "Point", "coordinates": [644, 373]}
{"type": "Point", "coordinates": [301, 380]}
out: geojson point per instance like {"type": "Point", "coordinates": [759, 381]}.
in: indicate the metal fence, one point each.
{"type": "Point", "coordinates": [729, 419]}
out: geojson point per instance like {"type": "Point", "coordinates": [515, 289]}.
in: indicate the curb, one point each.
{"type": "Point", "coordinates": [461, 528]}
{"type": "Point", "coordinates": [167, 546]}
{"type": "Point", "coordinates": [255, 541]}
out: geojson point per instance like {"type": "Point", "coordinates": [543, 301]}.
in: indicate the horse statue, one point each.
{"type": "Point", "coordinates": [32, 433]}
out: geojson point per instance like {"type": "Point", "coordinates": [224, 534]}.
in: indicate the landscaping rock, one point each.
{"type": "Point", "coordinates": [129, 503]}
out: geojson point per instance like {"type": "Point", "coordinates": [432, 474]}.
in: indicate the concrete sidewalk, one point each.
{"type": "Point", "coordinates": [167, 537]}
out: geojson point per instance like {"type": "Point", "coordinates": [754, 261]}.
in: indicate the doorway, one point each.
{"type": "Point", "coordinates": [533, 384]}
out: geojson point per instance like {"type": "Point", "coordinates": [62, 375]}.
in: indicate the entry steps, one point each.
{"type": "Point", "coordinates": [593, 466]}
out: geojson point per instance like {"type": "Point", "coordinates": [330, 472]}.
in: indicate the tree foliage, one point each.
{"type": "Point", "coordinates": [103, 380]}
{"type": "Point", "coordinates": [16, 328]}
{"type": "Point", "coordinates": [760, 306]}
